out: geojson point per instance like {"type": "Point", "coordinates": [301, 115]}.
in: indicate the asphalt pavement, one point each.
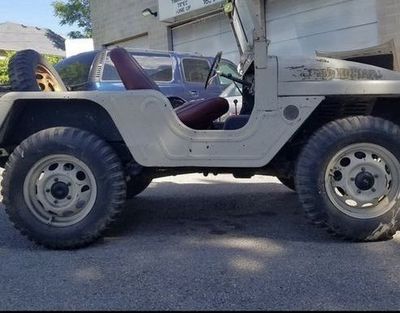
{"type": "Point", "coordinates": [196, 243]}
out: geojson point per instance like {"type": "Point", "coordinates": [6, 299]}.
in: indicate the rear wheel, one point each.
{"type": "Point", "coordinates": [62, 187]}
{"type": "Point", "coordinates": [353, 186]}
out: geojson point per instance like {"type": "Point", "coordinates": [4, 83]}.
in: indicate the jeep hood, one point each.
{"type": "Point", "coordinates": [327, 69]}
{"type": "Point", "coordinates": [326, 76]}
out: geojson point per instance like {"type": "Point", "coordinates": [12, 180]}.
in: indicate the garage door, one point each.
{"type": "Point", "coordinates": [300, 27]}
{"type": "Point", "coordinates": [206, 36]}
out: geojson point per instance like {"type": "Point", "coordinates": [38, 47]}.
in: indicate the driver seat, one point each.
{"type": "Point", "coordinates": [197, 114]}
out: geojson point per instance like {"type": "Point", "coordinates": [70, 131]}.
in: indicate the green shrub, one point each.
{"type": "Point", "coordinates": [53, 59]}
{"type": "Point", "coordinates": [4, 79]}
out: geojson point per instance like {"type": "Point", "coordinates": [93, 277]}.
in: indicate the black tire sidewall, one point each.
{"type": "Point", "coordinates": [89, 154]}
{"type": "Point", "coordinates": [341, 223]}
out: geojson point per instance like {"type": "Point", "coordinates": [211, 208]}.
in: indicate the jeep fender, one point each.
{"type": "Point", "coordinates": [151, 130]}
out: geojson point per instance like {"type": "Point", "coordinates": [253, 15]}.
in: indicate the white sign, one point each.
{"type": "Point", "coordinates": [173, 8]}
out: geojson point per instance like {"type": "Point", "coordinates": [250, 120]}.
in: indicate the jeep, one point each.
{"type": "Point", "coordinates": [328, 128]}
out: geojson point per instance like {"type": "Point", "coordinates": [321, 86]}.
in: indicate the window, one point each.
{"type": "Point", "coordinates": [75, 70]}
{"type": "Point", "coordinates": [158, 67]}
{"type": "Point", "coordinates": [231, 91]}
{"type": "Point", "coordinates": [196, 70]}
{"type": "Point", "coordinates": [227, 68]}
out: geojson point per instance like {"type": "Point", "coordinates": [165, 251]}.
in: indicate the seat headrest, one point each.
{"type": "Point", "coordinates": [131, 73]}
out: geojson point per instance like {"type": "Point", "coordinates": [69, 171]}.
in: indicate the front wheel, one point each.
{"type": "Point", "coordinates": [353, 185]}
{"type": "Point", "coordinates": [62, 187]}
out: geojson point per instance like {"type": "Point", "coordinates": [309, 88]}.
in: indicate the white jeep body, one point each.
{"type": "Point", "coordinates": [157, 138]}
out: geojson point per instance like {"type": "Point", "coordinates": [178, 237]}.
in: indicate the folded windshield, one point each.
{"type": "Point", "coordinates": [243, 24]}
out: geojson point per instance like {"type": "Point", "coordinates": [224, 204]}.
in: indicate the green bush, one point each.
{"type": "Point", "coordinates": [53, 59]}
{"type": "Point", "coordinates": [4, 79]}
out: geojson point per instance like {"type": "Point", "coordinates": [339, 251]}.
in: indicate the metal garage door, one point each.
{"type": "Point", "coordinates": [206, 36]}
{"type": "Point", "coordinates": [299, 27]}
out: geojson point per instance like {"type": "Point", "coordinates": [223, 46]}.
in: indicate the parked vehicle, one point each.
{"type": "Point", "coordinates": [330, 127]}
{"type": "Point", "coordinates": [178, 75]}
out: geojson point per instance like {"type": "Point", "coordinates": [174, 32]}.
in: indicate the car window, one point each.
{"type": "Point", "coordinates": [75, 70]}
{"type": "Point", "coordinates": [227, 68]}
{"type": "Point", "coordinates": [196, 70]}
{"type": "Point", "coordinates": [231, 91]}
{"type": "Point", "coordinates": [158, 67]}
{"type": "Point", "coordinates": [235, 92]}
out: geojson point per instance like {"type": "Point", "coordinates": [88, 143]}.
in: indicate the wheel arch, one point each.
{"type": "Point", "coordinates": [330, 109]}
{"type": "Point", "coordinates": [29, 116]}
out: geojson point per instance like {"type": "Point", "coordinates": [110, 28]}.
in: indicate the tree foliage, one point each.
{"type": "Point", "coordinates": [4, 80]}
{"type": "Point", "coordinates": [73, 12]}
{"type": "Point", "coordinates": [53, 59]}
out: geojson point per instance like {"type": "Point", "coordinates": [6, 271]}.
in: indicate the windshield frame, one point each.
{"type": "Point", "coordinates": [243, 25]}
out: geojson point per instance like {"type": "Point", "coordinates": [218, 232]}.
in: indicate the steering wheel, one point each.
{"type": "Point", "coordinates": [213, 71]}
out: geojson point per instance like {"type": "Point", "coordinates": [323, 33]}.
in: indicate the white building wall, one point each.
{"type": "Point", "coordinates": [120, 22]}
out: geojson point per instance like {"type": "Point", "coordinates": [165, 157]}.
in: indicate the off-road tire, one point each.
{"type": "Point", "coordinates": [287, 182]}
{"type": "Point", "coordinates": [91, 150]}
{"type": "Point", "coordinates": [311, 180]}
{"type": "Point", "coordinates": [137, 185]}
{"type": "Point", "coordinates": [24, 69]}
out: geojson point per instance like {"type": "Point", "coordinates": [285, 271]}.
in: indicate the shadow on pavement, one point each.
{"type": "Point", "coordinates": [196, 246]}
{"type": "Point", "coordinates": [265, 210]}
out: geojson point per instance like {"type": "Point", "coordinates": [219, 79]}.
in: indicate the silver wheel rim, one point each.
{"type": "Point", "coordinates": [362, 180]}
{"type": "Point", "coordinates": [60, 190]}
{"type": "Point", "coordinates": [46, 80]}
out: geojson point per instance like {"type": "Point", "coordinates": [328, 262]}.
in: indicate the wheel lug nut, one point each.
{"type": "Point", "coordinates": [373, 189]}
{"type": "Point", "coordinates": [376, 176]}
{"type": "Point", "coordinates": [69, 184]}
{"type": "Point", "coordinates": [47, 190]}
{"type": "Point", "coordinates": [56, 179]}
{"type": "Point", "coordinates": [55, 201]}
{"type": "Point", "coordinates": [69, 198]}
{"type": "Point", "coordinates": [352, 179]}
{"type": "Point", "coordinates": [358, 191]}
{"type": "Point", "coordinates": [363, 169]}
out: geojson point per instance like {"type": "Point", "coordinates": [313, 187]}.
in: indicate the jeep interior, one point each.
{"type": "Point", "coordinates": [198, 114]}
